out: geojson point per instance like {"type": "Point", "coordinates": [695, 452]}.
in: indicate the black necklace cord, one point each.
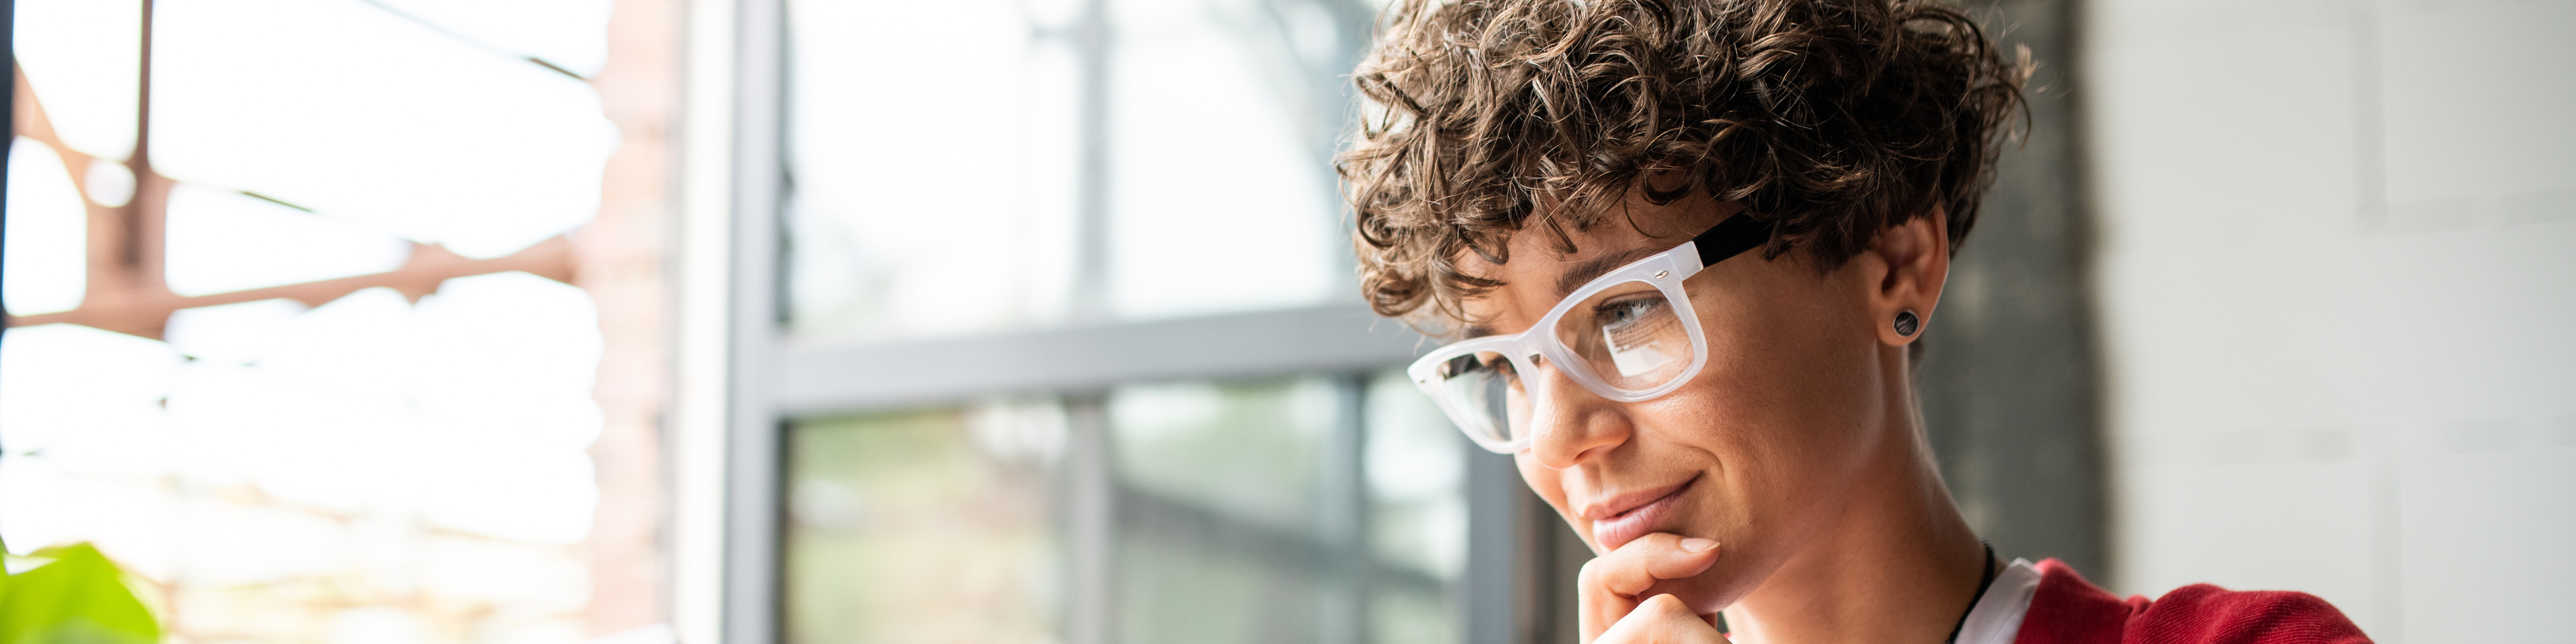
{"type": "Point", "coordinates": [1984, 581]}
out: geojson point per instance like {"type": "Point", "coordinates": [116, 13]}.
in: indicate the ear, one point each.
{"type": "Point", "coordinates": [1914, 262]}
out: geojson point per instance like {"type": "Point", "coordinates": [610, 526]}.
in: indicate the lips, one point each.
{"type": "Point", "coordinates": [1623, 518]}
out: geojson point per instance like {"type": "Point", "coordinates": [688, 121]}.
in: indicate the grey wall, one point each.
{"type": "Point", "coordinates": [2008, 380]}
{"type": "Point", "coordinates": [2334, 281]}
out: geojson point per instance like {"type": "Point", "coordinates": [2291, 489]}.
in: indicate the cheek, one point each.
{"type": "Point", "coordinates": [1788, 399]}
{"type": "Point", "coordinates": [1794, 365]}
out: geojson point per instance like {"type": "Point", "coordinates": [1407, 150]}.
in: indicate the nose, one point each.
{"type": "Point", "coordinates": [1569, 423]}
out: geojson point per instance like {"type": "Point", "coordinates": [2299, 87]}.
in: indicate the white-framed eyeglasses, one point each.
{"type": "Point", "coordinates": [1629, 335]}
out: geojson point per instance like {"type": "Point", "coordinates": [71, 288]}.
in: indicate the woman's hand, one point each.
{"type": "Point", "coordinates": [1662, 620]}
{"type": "Point", "coordinates": [1612, 612]}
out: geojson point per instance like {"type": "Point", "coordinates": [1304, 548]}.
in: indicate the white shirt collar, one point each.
{"type": "Point", "coordinates": [1996, 619]}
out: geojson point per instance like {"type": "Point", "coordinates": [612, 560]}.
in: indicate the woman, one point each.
{"type": "Point", "coordinates": [1686, 249]}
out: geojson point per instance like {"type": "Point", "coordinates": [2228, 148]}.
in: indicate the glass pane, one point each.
{"type": "Point", "coordinates": [47, 256]}
{"type": "Point", "coordinates": [936, 177]}
{"type": "Point", "coordinates": [84, 60]}
{"type": "Point", "coordinates": [1249, 450]}
{"type": "Point", "coordinates": [1218, 497]}
{"type": "Point", "coordinates": [350, 109]}
{"type": "Point", "coordinates": [227, 241]}
{"type": "Point", "coordinates": [933, 169]}
{"type": "Point", "coordinates": [924, 527]}
{"type": "Point", "coordinates": [430, 465]}
{"type": "Point", "coordinates": [1222, 196]}
{"type": "Point", "coordinates": [410, 469]}
{"type": "Point", "coordinates": [1417, 513]}
{"type": "Point", "coordinates": [570, 34]}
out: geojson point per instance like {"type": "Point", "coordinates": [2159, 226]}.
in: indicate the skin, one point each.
{"type": "Point", "coordinates": [1798, 448]}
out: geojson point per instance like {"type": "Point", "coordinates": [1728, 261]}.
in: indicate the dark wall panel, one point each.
{"type": "Point", "coordinates": [2009, 381]}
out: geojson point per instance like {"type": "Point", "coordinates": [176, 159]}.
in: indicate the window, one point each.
{"type": "Point", "coordinates": [311, 303]}
{"type": "Point", "coordinates": [1270, 509]}
{"type": "Point", "coordinates": [1066, 348]}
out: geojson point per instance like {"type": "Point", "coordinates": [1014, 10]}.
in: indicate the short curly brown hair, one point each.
{"type": "Point", "coordinates": [1831, 118]}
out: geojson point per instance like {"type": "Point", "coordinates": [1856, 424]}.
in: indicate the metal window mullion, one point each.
{"type": "Point", "coordinates": [1090, 522]}
{"type": "Point", "coordinates": [836, 379]}
{"type": "Point", "coordinates": [1091, 528]}
{"type": "Point", "coordinates": [1342, 615]}
{"type": "Point", "coordinates": [703, 339]}
{"type": "Point", "coordinates": [1490, 597]}
{"type": "Point", "coordinates": [1091, 44]}
{"type": "Point", "coordinates": [752, 589]}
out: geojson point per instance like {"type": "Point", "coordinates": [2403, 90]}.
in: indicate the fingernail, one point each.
{"type": "Point", "coordinates": [1696, 544]}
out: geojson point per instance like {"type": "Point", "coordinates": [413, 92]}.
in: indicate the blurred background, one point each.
{"type": "Point", "coordinates": [1031, 321]}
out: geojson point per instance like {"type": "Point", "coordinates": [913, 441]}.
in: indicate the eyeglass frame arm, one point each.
{"type": "Point", "coordinates": [1730, 238]}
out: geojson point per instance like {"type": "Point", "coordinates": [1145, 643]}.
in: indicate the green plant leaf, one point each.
{"type": "Point", "coordinates": [78, 598]}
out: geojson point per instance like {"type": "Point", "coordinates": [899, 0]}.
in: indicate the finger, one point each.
{"type": "Point", "coordinates": [1638, 564]}
{"type": "Point", "coordinates": [1599, 607]}
{"type": "Point", "coordinates": [1662, 619]}
{"type": "Point", "coordinates": [1609, 584]}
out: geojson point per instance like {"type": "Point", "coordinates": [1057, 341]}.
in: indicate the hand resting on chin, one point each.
{"type": "Point", "coordinates": [1612, 611]}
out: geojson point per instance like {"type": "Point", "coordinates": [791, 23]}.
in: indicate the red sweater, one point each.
{"type": "Point", "coordinates": [2066, 609]}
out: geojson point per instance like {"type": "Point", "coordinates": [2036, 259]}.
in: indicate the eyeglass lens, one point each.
{"type": "Point", "coordinates": [1483, 386]}
{"type": "Point", "coordinates": [1630, 336]}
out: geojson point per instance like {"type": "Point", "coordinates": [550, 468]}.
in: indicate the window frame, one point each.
{"type": "Point", "coordinates": [740, 377]}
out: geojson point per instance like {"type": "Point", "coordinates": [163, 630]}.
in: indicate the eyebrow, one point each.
{"type": "Point", "coordinates": [1587, 270]}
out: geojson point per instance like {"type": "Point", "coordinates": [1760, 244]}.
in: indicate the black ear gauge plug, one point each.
{"type": "Point", "coordinates": [1907, 323]}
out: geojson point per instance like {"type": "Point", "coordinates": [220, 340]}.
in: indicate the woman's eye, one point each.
{"type": "Point", "coordinates": [1467, 364]}
{"type": "Point", "coordinates": [1504, 367]}
{"type": "Point", "coordinates": [1460, 366]}
{"type": "Point", "coordinates": [1628, 310]}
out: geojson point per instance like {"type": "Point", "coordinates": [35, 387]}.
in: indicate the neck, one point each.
{"type": "Point", "coordinates": [1899, 565]}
